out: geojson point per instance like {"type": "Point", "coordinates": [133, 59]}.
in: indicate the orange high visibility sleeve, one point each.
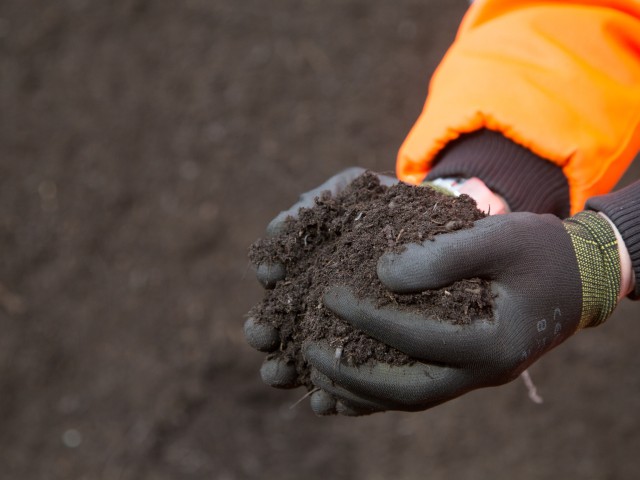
{"type": "Point", "coordinates": [559, 78]}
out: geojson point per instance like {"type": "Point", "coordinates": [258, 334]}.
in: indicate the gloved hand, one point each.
{"type": "Point", "coordinates": [550, 278]}
{"type": "Point", "coordinates": [265, 338]}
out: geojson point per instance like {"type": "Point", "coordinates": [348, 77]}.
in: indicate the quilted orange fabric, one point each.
{"type": "Point", "coordinates": [560, 78]}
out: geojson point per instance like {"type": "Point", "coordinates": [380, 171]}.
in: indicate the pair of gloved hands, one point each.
{"type": "Point", "coordinates": [550, 278]}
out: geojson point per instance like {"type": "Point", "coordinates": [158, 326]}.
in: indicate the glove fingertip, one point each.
{"type": "Point", "coordinates": [322, 403]}
{"type": "Point", "coordinates": [279, 373]}
{"type": "Point", "coordinates": [412, 270]}
{"type": "Point", "coordinates": [390, 272]}
{"type": "Point", "coordinates": [269, 274]}
{"type": "Point", "coordinates": [260, 336]}
{"type": "Point", "coordinates": [318, 354]}
{"type": "Point", "coordinates": [276, 226]}
{"type": "Point", "coordinates": [339, 300]}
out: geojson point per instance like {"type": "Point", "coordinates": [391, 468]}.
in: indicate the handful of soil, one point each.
{"type": "Point", "coordinates": [339, 241]}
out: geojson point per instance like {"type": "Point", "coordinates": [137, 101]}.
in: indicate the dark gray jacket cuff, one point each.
{"type": "Point", "coordinates": [623, 209]}
{"type": "Point", "coordinates": [526, 181]}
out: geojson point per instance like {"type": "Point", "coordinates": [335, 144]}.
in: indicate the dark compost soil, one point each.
{"type": "Point", "coordinates": [339, 241]}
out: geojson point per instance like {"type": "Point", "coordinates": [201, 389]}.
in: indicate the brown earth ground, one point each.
{"type": "Point", "coordinates": [144, 145]}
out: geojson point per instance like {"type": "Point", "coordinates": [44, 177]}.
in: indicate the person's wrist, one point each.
{"type": "Point", "coordinates": [627, 275]}
{"type": "Point", "coordinates": [486, 199]}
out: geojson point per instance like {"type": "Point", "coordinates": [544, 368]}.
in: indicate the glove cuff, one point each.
{"type": "Point", "coordinates": [623, 209]}
{"type": "Point", "coordinates": [596, 249]}
{"type": "Point", "coordinates": [526, 181]}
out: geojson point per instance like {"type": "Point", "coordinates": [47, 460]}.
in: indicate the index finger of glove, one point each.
{"type": "Point", "coordinates": [475, 252]}
{"type": "Point", "coordinates": [408, 387]}
{"type": "Point", "coordinates": [416, 335]}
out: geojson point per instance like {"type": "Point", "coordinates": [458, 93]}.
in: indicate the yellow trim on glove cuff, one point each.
{"type": "Point", "coordinates": [596, 249]}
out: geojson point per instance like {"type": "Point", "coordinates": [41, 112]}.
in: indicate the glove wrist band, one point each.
{"type": "Point", "coordinates": [596, 249]}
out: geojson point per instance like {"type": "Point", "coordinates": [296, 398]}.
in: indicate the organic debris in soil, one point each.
{"type": "Point", "coordinates": [339, 241]}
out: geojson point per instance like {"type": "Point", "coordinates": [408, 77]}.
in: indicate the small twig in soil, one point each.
{"type": "Point", "coordinates": [308, 394]}
{"type": "Point", "coordinates": [337, 357]}
{"type": "Point", "coordinates": [531, 388]}
{"type": "Point", "coordinates": [244, 275]}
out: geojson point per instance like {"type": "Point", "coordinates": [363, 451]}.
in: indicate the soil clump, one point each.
{"type": "Point", "coordinates": [339, 241]}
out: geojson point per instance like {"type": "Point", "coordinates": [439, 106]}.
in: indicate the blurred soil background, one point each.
{"type": "Point", "coordinates": [144, 145]}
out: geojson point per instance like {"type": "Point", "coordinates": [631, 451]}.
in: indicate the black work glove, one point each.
{"type": "Point", "coordinates": [549, 277]}
{"type": "Point", "coordinates": [263, 337]}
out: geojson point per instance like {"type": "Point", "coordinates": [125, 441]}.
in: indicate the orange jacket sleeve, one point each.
{"type": "Point", "coordinates": [559, 78]}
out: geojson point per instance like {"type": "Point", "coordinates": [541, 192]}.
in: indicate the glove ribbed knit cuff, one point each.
{"type": "Point", "coordinates": [526, 181]}
{"type": "Point", "coordinates": [623, 209]}
{"type": "Point", "coordinates": [596, 248]}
